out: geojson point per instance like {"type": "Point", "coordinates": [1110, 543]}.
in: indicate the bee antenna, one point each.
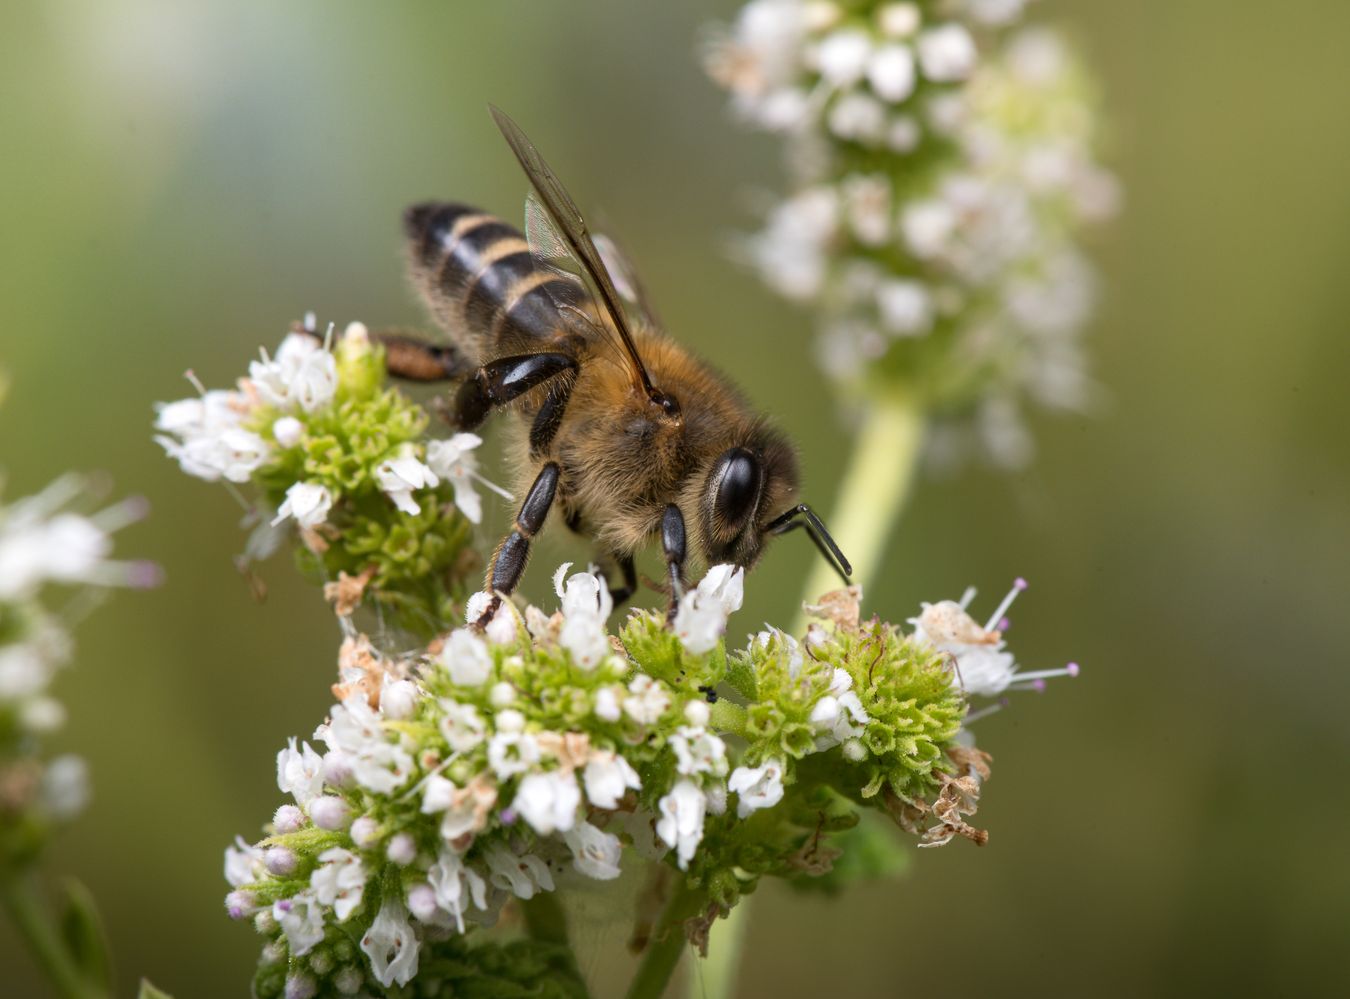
{"type": "Point", "coordinates": [802, 515]}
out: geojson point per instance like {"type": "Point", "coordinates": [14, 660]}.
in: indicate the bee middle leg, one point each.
{"type": "Point", "coordinates": [628, 571]}
{"type": "Point", "coordinates": [508, 562]}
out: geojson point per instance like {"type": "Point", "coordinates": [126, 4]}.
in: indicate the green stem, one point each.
{"type": "Point", "coordinates": [23, 901]}
{"type": "Point", "coordinates": [667, 945]}
{"type": "Point", "coordinates": [872, 494]}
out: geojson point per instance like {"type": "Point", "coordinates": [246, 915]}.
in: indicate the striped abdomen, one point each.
{"type": "Point", "coordinates": [483, 285]}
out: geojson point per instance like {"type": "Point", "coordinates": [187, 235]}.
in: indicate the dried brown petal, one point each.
{"type": "Point", "coordinates": [843, 607]}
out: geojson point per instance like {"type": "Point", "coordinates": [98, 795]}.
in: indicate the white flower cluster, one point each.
{"type": "Point", "coordinates": [211, 437]}
{"type": "Point", "coordinates": [943, 164]}
{"type": "Point", "coordinates": [42, 543]}
{"type": "Point", "coordinates": [982, 665]}
{"type": "Point", "coordinates": [515, 807]}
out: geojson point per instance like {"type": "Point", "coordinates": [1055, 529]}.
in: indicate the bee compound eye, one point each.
{"type": "Point", "coordinates": [738, 484]}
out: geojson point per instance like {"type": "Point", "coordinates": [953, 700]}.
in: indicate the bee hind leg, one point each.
{"type": "Point", "coordinates": [508, 562]}
{"type": "Point", "coordinates": [411, 357]}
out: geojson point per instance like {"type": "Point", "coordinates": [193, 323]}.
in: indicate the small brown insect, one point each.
{"type": "Point", "coordinates": [622, 430]}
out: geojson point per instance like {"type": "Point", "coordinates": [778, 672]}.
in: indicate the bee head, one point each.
{"type": "Point", "coordinates": [744, 485]}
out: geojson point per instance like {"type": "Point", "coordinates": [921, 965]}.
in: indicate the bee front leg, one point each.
{"type": "Point", "coordinates": [673, 544]}
{"type": "Point", "coordinates": [508, 562]}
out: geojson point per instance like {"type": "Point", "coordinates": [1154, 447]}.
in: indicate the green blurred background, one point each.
{"type": "Point", "coordinates": [178, 180]}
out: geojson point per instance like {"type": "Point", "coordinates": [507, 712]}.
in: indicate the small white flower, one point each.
{"type": "Point", "coordinates": [947, 53]}
{"type": "Point", "coordinates": [841, 57]}
{"type": "Point", "coordinates": [462, 726]}
{"type": "Point", "coordinates": [891, 73]}
{"type": "Point", "coordinates": [701, 619]}
{"type": "Point", "coordinates": [301, 919]}
{"type": "Point", "coordinates": [681, 823]}
{"type": "Point", "coordinates": [288, 431]}
{"type": "Point", "coordinates": [391, 945]}
{"type": "Point", "coordinates": [594, 853]}
{"type": "Point", "coordinates": [467, 658]}
{"type": "Point", "coordinates": [548, 802]}
{"type": "Point", "coordinates": [586, 606]}
{"type": "Point", "coordinates": [401, 475]}
{"type": "Point", "coordinates": [647, 700]}
{"type": "Point", "coordinates": [243, 864]}
{"type": "Point", "coordinates": [608, 777]}
{"type": "Point", "coordinates": [456, 886]}
{"type": "Point", "coordinates": [607, 704]}
{"type": "Point", "coordinates": [399, 699]}
{"type": "Point", "coordinates": [512, 753]}
{"type": "Point", "coordinates": [906, 306]}
{"type": "Point", "coordinates": [928, 227]}
{"type": "Point", "coordinates": [302, 374]}
{"type": "Point", "coordinates": [365, 832]}
{"type": "Point", "coordinates": [307, 502]}
{"type": "Point", "coordinates": [300, 772]}
{"type": "Point", "coordinates": [501, 628]}
{"type": "Point", "coordinates": [757, 787]}
{"type": "Point", "coordinates": [523, 875]}
{"type": "Point", "coordinates": [698, 751]}
{"type": "Point", "coordinates": [339, 881]}
{"type": "Point", "coordinates": [454, 462]}
{"type": "Point", "coordinates": [858, 117]}
{"type": "Point", "coordinates": [899, 20]}
{"type": "Point", "coordinates": [24, 672]}
{"type": "Point", "coordinates": [698, 714]}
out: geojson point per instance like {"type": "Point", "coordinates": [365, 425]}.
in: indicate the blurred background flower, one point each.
{"type": "Point", "coordinates": [182, 178]}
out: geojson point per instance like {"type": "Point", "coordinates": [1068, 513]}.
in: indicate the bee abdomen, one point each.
{"type": "Point", "coordinates": [483, 284]}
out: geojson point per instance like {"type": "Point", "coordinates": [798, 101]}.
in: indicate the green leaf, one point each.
{"type": "Point", "coordinates": [82, 930]}
{"type": "Point", "coordinates": [149, 991]}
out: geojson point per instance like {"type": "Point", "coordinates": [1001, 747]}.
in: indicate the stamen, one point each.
{"type": "Point", "coordinates": [131, 510]}
{"type": "Point", "coordinates": [489, 484]}
{"type": "Point", "coordinates": [1019, 585]}
{"type": "Point", "coordinates": [1047, 674]}
{"type": "Point", "coordinates": [967, 597]}
{"type": "Point", "coordinates": [196, 382]}
{"type": "Point", "coordinates": [985, 712]}
{"type": "Point", "coordinates": [328, 337]}
{"type": "Point", "coordinates": [310, 322]}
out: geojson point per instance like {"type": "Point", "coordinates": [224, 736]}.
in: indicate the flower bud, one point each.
{"type": "Point", "coordinates": [402, 849]}
{"type": "Point", "coordinates": [422, 902]}
{"type": "Point", "coordinates": [348, 981]}
{"type": "Point", "coordinates": [301, 986]}
{"type": "Point", "coordinates": [501, 695]}
{"type": "Point", "coordinates": [280, 861]}
{"type": "Point", "coordinates": [288, 819]}
{"type": "Point", "coordinates": [697, 713]}
{"type": "Point", "coordinates": [288, 431]}
{"type": "Point", "coordinates": [330, 812]}
{"type": "Point", "coordinates": [365, 832]}
{"type": "Point", "coordinates": [398, 700]}
{"type": "Point", "coordinates": [265, 923]}
{"type": "Point", "coordinates": [337, 768]}
{"type": "Point", "coordinates": [240, 904]}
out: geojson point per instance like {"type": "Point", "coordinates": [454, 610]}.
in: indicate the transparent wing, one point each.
{"type": "Point", "coordinates": [626, 281]}
{"type": "Point", "coordinates": [559, 232]}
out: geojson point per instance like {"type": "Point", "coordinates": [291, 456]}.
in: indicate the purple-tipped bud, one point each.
{"type": "Point", "coordinates": [288, 819]}
{"type": "Point", "coordinates": [280, 861]}
{"type": "Point", "coordinates": [402, 849]}
{"type": "Point", "coordinates": [240, 904]}
{"type": "Point", "coordinates": [365, 832]}
{"type": "Point", "coordinates": [301, 986]}
{"type": "Point", "coordinates": [422, 902]}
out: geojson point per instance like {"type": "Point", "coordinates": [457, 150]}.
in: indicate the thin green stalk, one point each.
{"type": "Point", "coordinates": [667, 946]}
{"type": "Point", "coordinates": [871, 496]}
{"type": "Point", "coordinates": [23, 900]}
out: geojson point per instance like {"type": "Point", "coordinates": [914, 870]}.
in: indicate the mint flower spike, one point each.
{"type": "Point", "coordinates": [942, 159]}
{"type": "Point", "coordinates": [332, 457]}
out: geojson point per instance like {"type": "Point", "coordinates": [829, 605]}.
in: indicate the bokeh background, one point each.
{"type": "Point", "coordinates": [178, 180]}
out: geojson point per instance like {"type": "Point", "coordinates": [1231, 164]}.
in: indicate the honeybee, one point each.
{"type": "Point", "coordinates": [619, 428]}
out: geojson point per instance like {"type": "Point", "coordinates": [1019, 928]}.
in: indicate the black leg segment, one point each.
{"type": "Point", "coordinates": [673, 545]}
{"type": "Point", "coordinates": [629, 573]}
{"type": "Point", "coordinates": [505, 379]}
{"type": "Point", "coordinates": [508, 563]}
